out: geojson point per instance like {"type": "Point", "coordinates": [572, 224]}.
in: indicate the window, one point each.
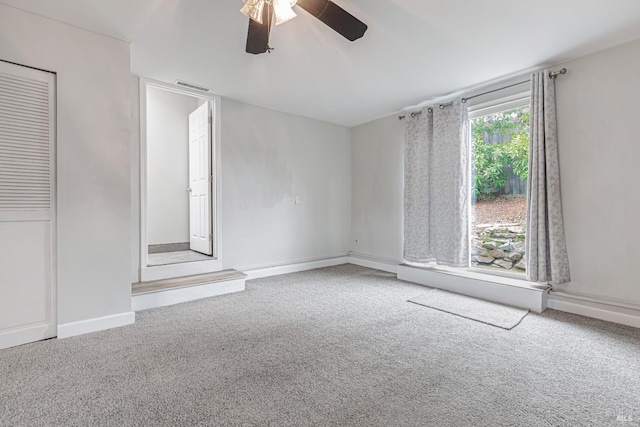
{"type": "Point", "coordinates": [499, 144]}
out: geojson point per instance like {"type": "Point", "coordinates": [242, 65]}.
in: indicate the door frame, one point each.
{"type": "Point", "coordinates": [148, 273]}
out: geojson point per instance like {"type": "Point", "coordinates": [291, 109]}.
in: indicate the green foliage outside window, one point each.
{"type": "Point", "coordinates": [500, 141]}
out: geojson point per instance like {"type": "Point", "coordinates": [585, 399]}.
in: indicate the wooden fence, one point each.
{"type": "Point", "coordinates": [514, 186]}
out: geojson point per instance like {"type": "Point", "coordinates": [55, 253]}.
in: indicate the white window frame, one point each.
{"type": "Point", "coordinates": [148, 273]}
{"type": "Point", "coordinates": [520, 99]}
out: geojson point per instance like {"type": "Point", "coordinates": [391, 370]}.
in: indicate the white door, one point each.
{"type": "Point", "coordinates": [27, 286]}
{"type": "Point", "coordinates": [200, 180]}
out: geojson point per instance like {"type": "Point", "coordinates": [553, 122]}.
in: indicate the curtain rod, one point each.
{"type": "Point", "coordinates": [552, 75]}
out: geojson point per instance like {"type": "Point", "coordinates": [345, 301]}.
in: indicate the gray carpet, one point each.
{"type": "Point", "coordinates": [493, 314]}
{"type": "Point", "coordinates": [332, 347]}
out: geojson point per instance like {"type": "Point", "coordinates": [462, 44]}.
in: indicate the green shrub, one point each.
{"type": "Point", "coordinates": [500, 141]}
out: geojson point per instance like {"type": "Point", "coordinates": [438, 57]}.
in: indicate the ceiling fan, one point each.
{"type": "Point", "coordinates": [263, 13]}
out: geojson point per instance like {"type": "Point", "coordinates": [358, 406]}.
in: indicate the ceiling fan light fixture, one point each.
{"type": "Point", "coordinates": [282, 9]}
{"type": "Point", "coordinates": [253, 9]}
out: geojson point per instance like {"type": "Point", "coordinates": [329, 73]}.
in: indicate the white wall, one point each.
{"type": "Point", "coordinates": [598, 113]}
{"type": "Point", "coordinates": [93, 158]}
{"type": "Point", "coordinates": [378, 180]}
{"type": "Point", "coordinates": [168, 165]}
{"type": "Point", "coordinates": [267, 159]}
{"type": "Point", "coordinates": [599, 154]}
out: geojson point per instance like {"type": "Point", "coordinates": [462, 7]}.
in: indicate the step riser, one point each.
{"type": "Point", "coordinates": [145, 301]}
{"type": "Point", "coordinates": [179, 282]}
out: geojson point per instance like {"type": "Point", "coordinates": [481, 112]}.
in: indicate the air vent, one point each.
{"type": "Point", "coordinates": [193, 86]}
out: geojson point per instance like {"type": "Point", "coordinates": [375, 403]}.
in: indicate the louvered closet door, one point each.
{"type": "Point", "coordinates": [27, 216]}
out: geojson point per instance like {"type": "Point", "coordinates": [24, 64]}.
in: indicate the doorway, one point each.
{"type": "Point", "coordinates": [179, 182]}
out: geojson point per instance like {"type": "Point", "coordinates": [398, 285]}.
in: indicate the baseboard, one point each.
{"type": "Point", "coordinates": [184, 294]}
{"type": "Point", "coordinates": [603, 310]}
{"type": "Point", "coordinates": [491, 288]}
{"type": "Point", "coordinates": [276, 270]}
{"type": "Point", "coordinates": [82, 327]}
{"type": "Point", "coordinates": [383, 264]}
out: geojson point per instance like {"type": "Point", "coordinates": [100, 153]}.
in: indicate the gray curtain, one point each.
{"type": "Point", "coordinates": [547, 259]}
{"type": "Point", "coordinates": [436, 186]}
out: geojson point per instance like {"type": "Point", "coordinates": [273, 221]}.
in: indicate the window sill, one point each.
{"type": "Point", "coordinates": [504, 290]}
{"type": "Point", "coordinates": [482, 275]}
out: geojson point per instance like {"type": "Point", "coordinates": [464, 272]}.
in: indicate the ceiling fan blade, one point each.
{"type": "Point", "coordinates": [258, 34]}
{"type": "Point", "coordinates": [336, 17]}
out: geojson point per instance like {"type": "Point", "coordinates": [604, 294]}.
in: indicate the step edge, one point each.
{"type": "Point", "coordinates": [238, 275]}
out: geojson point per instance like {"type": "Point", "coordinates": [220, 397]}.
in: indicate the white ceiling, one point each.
{"type": "Point", "coordinates": [414, 50]}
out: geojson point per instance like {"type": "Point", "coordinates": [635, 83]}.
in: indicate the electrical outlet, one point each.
{"type": "Point", "coordinates": [297, 200]}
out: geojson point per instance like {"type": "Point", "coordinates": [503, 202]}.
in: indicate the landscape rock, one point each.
{"type": "Point", "coordinates": [499, 245]}
{"type": "Point", "coordinates": [483, 226]}
{"type": "Point", "coordinates": [504, 264]}
{"type": "Point", "coordinates": [513, 256]}
{"type": "Point", "coordinates": [479, 251]}
{"type": "Point", "coordinates": [518, 247]}
{"type": "Point", "coordinates": [490, 245]}
{"type": "Point", "coordinates": [506, 235]}
{"type": "Point", "coordinates": [506, 247]}
{"type": "Point", "coordinates": [497, 228]}
{"type": "Point", "coordinates": [497, 253]}
{"type": "Point", "coordinates": [484, 259]}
